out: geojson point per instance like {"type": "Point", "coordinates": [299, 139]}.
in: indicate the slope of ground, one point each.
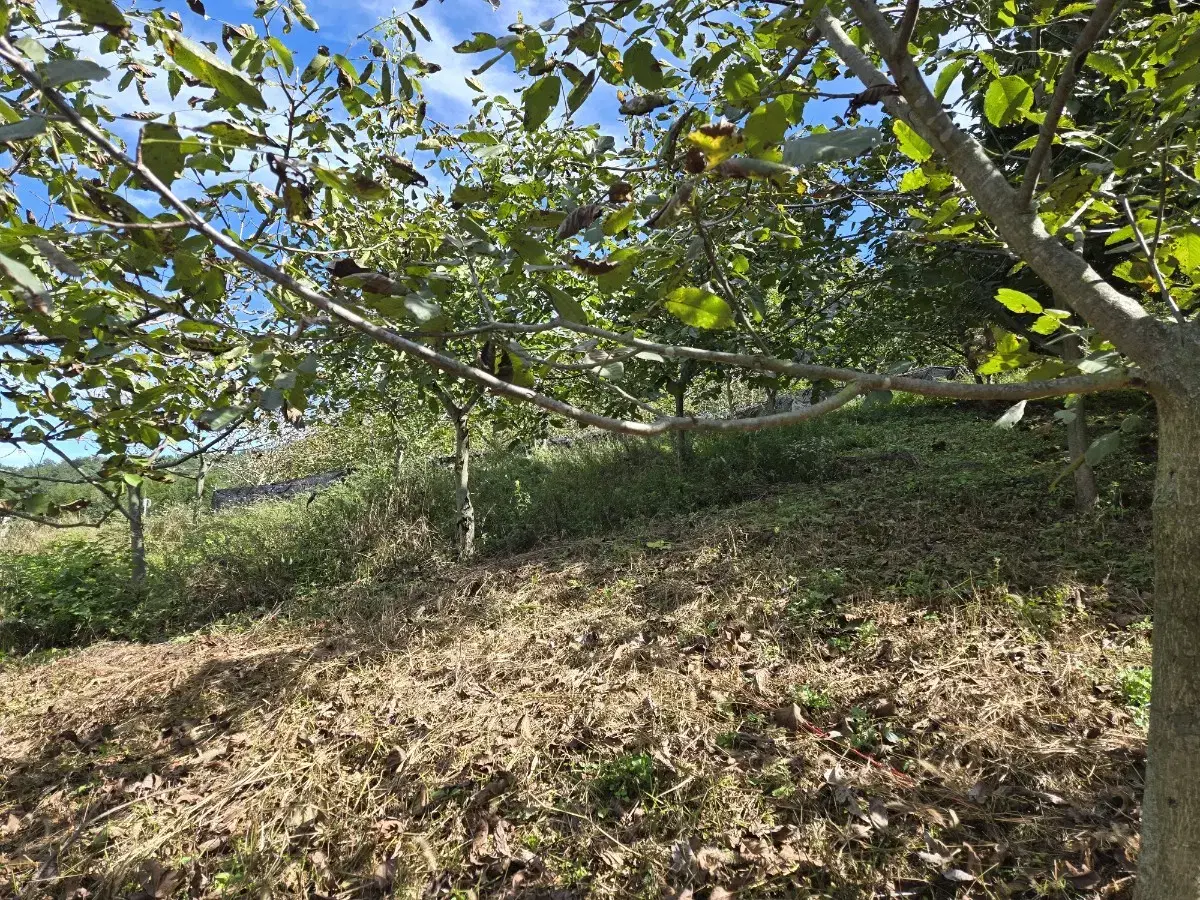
{"type": "Point", "coordinates": [911, 678]}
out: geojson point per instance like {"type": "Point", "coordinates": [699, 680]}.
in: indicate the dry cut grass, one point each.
{"type": "Point", "coordinates": [813, 695]}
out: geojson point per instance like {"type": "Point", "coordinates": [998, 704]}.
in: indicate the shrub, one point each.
{"type": "Point", "coordinates": [72, 592]}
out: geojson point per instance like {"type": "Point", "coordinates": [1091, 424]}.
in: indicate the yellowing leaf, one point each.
{"type": "Point", "coordinates": [699, 308]}
{"type": "Point", "coordinates": [716, 147]}
{"type": "Point", "coordinates": [912, 144]}
{"type": "Point", "coordinates": [1007, 99]}
{"type": "Point", "coordinates": [619, 220]}
{"type": "Point", "coordinates": [1018, 301]}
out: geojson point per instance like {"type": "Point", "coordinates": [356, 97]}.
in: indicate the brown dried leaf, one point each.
{"type": "Point", "coordinates": [384, 874]}
{"type": "Point", "coordinates": [979, 792]}
{"type": "Point", "coordinates": [641, 104]}
{"type": "Point", "coordinates": [593, 266]}
{"type": "Point", "coordinates": [694, 161]}
{"type": "Point", "coordinates": [621, 192]}
{"type": "Point", "coordinates": [723, 128]}
{"type": "Point", "coordinates": [709, 859]}
{"type": "Point", "coordinates": [670, 210]}
{"type": "Point", "coordinates": [878, 813]}
{"type": "Point", "coordinates": [789, 716]}
{"type": "Point", "coordinates": [157, 881]}
{"type": "Point", "coordinates": [872, 95]}
{"type": "Point", "coordinates": [959, 876]}
{"type": "Point", "coordinates": [478, 851]}
{"type": "Point", "coordinates": [580, 218]}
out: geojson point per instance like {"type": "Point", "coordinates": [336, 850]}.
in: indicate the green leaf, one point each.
{"type": "Point", "coordinates": [565, 305]}
{"type": "Point", "coordinates": [740, 85]}
{"type": "Point", "coordinates": [22, 130]}
{"type": "Point", "coordinates": [282, 53]}
{"type": "Point", "coordinates": [469, 192]}
{"type": "Point", "coordinates": [22, 275]}
{"type": "Point", "coordinates": [640, 65]}
{"type": "Point", "coordinates": [913, 180]}
{"type": "Point", "coordinates": [1049, 322]}
{"type": "Point", "coordinates": [300, 11]}
{"type": "Point", "coordinates": [767, 125]}
{"type": "Point", "coordinates": [221, 417]}
{"type": "Point", "coordinates": [427, 315]}
{"type": "Point", "coordinates": [946, 77]}
{"type": "Point", "coordinates": [539, 100]}
{"type": "Point", "coordinates": [1007, 99]}
{"type": "Point", "coordinates": [1012, 415]}
{"type": "Point", "coordinates": [317, 66]}
{"type": "Point", "coordinates": [1185, 247]}
{"type": "Point", "coordinates": [619, 220]}
{"type": "Point", "coordinates": [198, 62]}
{"type": "Point", "coordinates": [831, 146]}
{"type": "Point", "coordinates": [1018, 301]}
{"type": "Point", "coordinates": [699, 308]}
{"type": "Point", "coordinates": [481, 41]}
{"type": "Point", "coordinates": [98, 12]}
{"type": "Point", "coordinates": [161, 150]}
{"type": "Point", "coordinates": [912, 144]}
{"type": "Point", "coordinates": [1102, 447]}
{"type": "Point", "coordinates": [70, 71]}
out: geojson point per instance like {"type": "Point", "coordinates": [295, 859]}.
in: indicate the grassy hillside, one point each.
{"type": "Point", "coordinates": [871, 655]}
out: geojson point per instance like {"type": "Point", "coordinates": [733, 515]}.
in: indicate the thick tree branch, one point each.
{"type": "Point", "coordinates": [1012, 391]}
{"type": "Point", "coordinates": [1131, 329]}
{"type": "Point", "coordinates": [52, 523]}
{"type": "Point", "coordinates": [907, 23]}
{"type": "Point", "coordinates": [1092, 31]}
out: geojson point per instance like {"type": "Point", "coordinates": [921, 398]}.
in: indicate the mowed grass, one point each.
{"type": "Point", "coordinates": [885, 662]}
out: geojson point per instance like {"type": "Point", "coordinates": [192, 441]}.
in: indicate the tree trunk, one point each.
{"type": "Point", "coordinates": [201, 480]}
{"type": "Point", "coordinates": [397, 448]}
{"type": "Point", "coordinates": [1078, 441]}
{"type": "Point", "coordinates": [397, 461]}
{"type": "Point", "coordinates": [137, 538]}
{"type": "Point", "coordinates": [464, 526]}
{"type": "Point", "coordinates": [683, 439]}
{"type": "Point", "coordinates": [1169, 866]}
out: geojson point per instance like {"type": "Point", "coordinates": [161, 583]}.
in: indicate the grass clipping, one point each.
{"type": "Point", "coordinates": [776, 700]}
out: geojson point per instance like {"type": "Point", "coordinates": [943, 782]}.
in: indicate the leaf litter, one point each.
{"type": "Point", "coordinates": [489, 750]}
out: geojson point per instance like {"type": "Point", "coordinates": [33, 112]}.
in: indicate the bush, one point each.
{"type": "Point", "coordinates": [70, 593]}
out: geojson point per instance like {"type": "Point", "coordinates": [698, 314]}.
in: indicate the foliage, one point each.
{"type": "Point", "coordinates": [73, 593]}
{"type": "Point", "coordinates": [1134, 685]}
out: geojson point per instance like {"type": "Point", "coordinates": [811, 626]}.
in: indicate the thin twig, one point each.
{"type": "Point", "coordinates": [1091, 33]}
{"type": "Point", "coordinates": [125, 226]}
{"type": "Point", "coordinates": [907, 23]}
{"type": "Point", "coordinates": [1153, 262]}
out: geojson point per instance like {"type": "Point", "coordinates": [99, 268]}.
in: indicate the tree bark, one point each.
{"type": "Point", "coordinates": [464, 526]}
{"type": "Point", "coordinates": [201, 481]}
{"type": "Point", "coordinates": [137, 538]}
{"type": "Point", "coordinates": [397, 448]}
{"type": "Point", "coordinates": [1078, 440]}
{"type": "Point", "coordinates": [1169, 866]}
{"type": "Point", "coordinates": [683, 441]}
